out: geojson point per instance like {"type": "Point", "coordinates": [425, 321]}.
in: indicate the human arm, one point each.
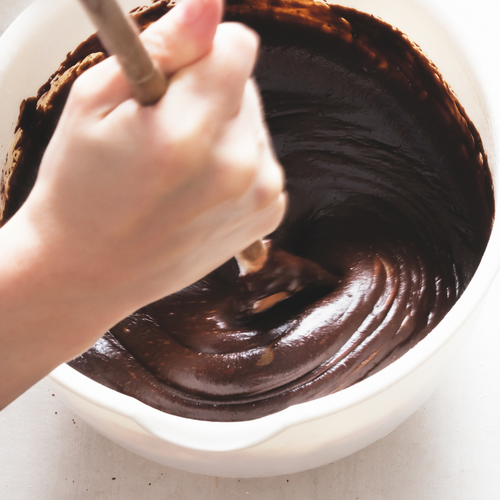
{"type": "Point", "coordinates": [134, 203]}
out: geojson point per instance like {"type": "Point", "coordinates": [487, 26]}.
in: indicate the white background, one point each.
{"type": "Point", "coordinates": [448, 450]}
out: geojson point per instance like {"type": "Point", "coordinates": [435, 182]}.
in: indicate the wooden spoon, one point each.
{"type": "Point", "coordinates": [267, 276]}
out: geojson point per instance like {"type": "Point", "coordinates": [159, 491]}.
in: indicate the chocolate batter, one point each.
{"type": "Point", "coordinates": [389, 189]}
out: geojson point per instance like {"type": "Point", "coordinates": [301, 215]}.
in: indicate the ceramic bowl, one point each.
{"type": "Point", "coordinates": [307, 435]}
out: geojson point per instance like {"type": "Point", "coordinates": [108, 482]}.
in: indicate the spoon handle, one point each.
{"type": "Point", "coordinates": [253, 258]}
{"type": "Point", "coordinates": [120, 37]}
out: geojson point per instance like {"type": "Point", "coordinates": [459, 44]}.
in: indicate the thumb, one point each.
{"type": "Point", "coordinates": [178, 39]}
{"type": "Point", "coordinates": [184, 35]}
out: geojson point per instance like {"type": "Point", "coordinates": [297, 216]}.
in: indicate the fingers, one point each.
{"type": "Point", "coordinates": [217, 81]}
{"type": "Point", "coordinates": [252, 171]}
{"type": "Point", "coordinates": [245, 158]}
{"type": "Point", "coordinates": [178, 39]}
{"type": "Point", "coordinates": [241, 182]}
{"type": "Point", "coordinates": [200, 104]}
{"type": "Point", "coordinates": [204, 97]}
{"type": "Point", "coordinates": [205, 143]}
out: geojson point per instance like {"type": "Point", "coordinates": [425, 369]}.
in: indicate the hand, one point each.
{"type": "Point", "coordinates": [133, 203]}
{"type": "Point", "coordinates": [146, 200]}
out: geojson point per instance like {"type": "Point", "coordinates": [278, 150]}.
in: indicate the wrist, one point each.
{"type": "Point", "coordinates": [47, 316]}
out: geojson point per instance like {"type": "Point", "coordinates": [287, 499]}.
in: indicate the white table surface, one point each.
{"type": "Point", "coordinates": [448, 450]}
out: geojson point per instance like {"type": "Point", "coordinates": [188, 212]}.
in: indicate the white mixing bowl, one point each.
{"type": "Point", "coordinates": [307, 435]}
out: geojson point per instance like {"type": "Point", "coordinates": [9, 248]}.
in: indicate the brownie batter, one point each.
{"type": "Point", "coordinates": [389, 190]}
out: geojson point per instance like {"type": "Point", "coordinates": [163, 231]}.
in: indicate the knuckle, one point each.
{"type": "Point", "coordinates": [243, 37]}
{"type": "Point", "coordinates": [237, 47]}
{"type": "Point", "coordinates": [159, 50]}
{"type": "Point", "coordinates": [269, 187]}
{"type": "Point", "coordinates": [186, 148]}
{"type": "Point", "coordinates": [176, 155]}
{"type": "Point", "coordinates": [265, 195]}
{"type": "Point", "coordinates": [273, 215]}
{"type": "Point", "coordinates": [246, 41]}
{"type": "Point", "coordinates": [235, 177]}
{"type": "Point", "coordinates": [276, 214]}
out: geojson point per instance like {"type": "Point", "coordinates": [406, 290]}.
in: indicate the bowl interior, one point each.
{"type": "Point", "coordinates": [32, 48]}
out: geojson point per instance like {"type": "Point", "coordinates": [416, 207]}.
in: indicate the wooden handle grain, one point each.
{"type": "Point", "coordinates": [120, 37]}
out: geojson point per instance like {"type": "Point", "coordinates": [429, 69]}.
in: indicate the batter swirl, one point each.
{"type": "Point", "coordinates": [389, 190]}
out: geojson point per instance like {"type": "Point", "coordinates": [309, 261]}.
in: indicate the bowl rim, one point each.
{"type": "Point", "coordinates": [227, 436]}
{"type": "Point", "coordinates": [211, 436]}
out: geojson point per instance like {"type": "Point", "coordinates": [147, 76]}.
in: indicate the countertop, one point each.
{"type": "Point", "coordinates": [448, 450]}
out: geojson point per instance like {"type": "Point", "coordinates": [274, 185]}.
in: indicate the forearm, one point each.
{"type": "Point", "coordinates": [45, 320]}
{"type": "Point", "coordinates": [132, 203]}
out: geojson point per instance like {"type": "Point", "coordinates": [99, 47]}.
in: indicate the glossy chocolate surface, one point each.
{"type": "Point", "coordinates": [389, 190]}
